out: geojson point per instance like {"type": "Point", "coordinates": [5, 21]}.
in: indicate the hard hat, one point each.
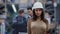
{"type": "Point", "coordinates": [37, 5]}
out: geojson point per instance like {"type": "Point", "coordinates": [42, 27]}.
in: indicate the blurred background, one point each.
{"type": "Point", "coordinates": [9, 8]}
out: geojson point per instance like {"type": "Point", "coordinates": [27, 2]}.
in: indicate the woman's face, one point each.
{"type": "Point", "coordinates": [38, 12]}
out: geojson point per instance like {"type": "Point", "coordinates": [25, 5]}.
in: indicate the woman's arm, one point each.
{"type": "Point", "coordinates": [28, 27]}
{"type": "Point", "coordinates": [47, 26]}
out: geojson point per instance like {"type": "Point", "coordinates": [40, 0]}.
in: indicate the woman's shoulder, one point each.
{"type": "Point", "coordinates": [30, 20]}
{"type": "Point", "coordinates": [46, 21]}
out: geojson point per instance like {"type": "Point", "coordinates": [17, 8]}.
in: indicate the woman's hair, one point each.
{"type": "Point", "coordinates": [41, 16]}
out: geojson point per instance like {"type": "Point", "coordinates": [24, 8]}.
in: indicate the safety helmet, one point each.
{"type": "Point", "coordinates": [37, 5]}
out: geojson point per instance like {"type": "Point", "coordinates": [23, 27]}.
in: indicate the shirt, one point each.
{"type": "Point", "coordinates": [38, 27]}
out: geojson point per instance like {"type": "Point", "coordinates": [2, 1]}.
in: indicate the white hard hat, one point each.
{"type": "Point", "coordinates": [37, 5]}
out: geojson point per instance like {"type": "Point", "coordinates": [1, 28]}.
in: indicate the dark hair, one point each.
{"type": "Point", "coordinates": [29, 8]}
{"type": "Point", "coordinates": [42, 16]}
{"type": "Point", "coordinates": [21, 11]}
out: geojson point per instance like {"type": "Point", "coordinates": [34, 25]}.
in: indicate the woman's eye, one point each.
{"type": "Point", "coordinates": [36, 10]}
{"type": "Point", "coordinates": [39, 10]}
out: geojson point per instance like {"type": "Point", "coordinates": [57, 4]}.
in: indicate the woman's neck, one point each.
{"type": "Point", "coordinates": [38, 18]}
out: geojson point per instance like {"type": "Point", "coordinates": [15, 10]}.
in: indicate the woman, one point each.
{"type": "Point", "coordinates": [38, 24]}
